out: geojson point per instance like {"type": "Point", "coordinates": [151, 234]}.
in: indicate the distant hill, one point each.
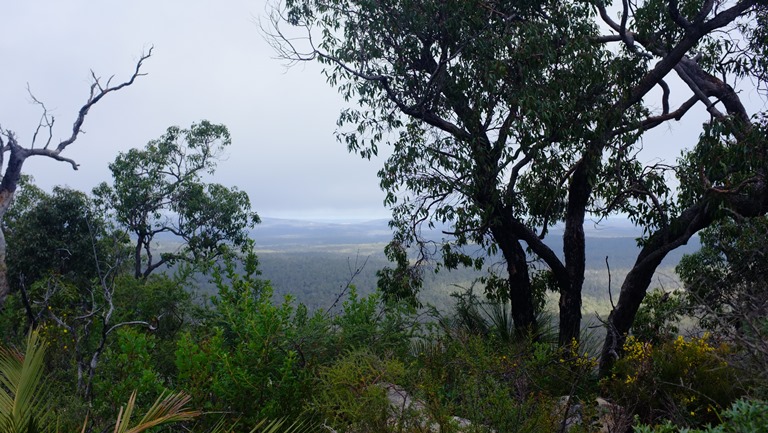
{"type": "Point", "coordinates": [615, 238]}
{"type": "Point", "coordinates": [296, 233]}
{"type": "Point", "coordinates": [313, 261]}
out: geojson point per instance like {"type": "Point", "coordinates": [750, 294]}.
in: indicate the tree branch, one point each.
{"type": "Point", "coordinates": [97, 92]}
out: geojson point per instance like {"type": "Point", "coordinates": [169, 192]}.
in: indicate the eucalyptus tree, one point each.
{"type": "Point", "coordinates": [505, 118]}
{"type": "Point", "coordinates": [42, 143]}
{"type": "Point", "coordinates": [159, 190]}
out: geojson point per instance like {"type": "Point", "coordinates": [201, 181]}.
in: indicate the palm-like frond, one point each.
{"type": "Point", "coordinates": [21, 375]}
{"type": "Point", "coordinates": [282, 426]}
{"type": "Point", "coordinates": [166, 409]}
{"type": "Point", "coordinates": [273, 426]}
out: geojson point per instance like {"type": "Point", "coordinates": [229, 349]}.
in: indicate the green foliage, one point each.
{"type": "Point", "coordinates": [368, 322]}
{"type": "Point", "coordinates": [658, 318]}
{"type": "Point", "coordinates": [160, 190]}
{"type": "Point", "coordinates": [559, 371]}
{"type": "Point", "coordinates": [402, 282]}
{"type": "Point", "coordinates": [744, 416]}
{"type": "Point", "coordinates": [352, 392]}
{"type": "Point", "coordinates": [498, 386]}
{"type": "Point", "coordinates": [60, 235]}
{"type": "Point", "coordinates": [257, 359]}
{"type": "Point", "coordinates": [726, 279]}
{"type": "Point", "coordinates": [727, 287]}
{"type": "Point", "coordinates": [685, 381]}
{"type": "Point", "coordinates": [490, 317]}
{"type": "Point", "coordinates": [22, 407]}
{"type": "Point", "coordinates": [129, 358]}
{"type": "Point", "coordinates": [247, 363]}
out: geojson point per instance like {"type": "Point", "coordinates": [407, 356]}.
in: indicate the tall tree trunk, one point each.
{"type": "Point", "coordinates": [5, 287]}
{"type": "Point", "coordinates": [574, 247]}
{"type": "Point", "coordinates": [7, 190]}
{"type": "Point", "coordinates": [750, 203]}
{"type": "Point", "coordinates": [520, 290]}
{"type": "Point", "coordinates": [620, 319]}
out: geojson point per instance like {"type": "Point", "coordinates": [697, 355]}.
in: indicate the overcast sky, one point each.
{"type": "Point", "coordinates": [210, 62]}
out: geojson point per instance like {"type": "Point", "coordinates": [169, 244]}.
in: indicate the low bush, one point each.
{"type": "Point", "coordinates": [684, 381]}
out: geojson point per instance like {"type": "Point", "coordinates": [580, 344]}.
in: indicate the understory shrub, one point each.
{"type": "Point", "coordinates": [130, 359]}
{"type": "Point", "coordinates": [498, 383]}
{"type": "Point", "coordinates": [254, 359]}
{"type": "Point", "coordinates": [242, 361]}
{"type": "Point", "coordinates": [686, 381]}
{"type": "Point", "coordinates": [352, 392]}
{"type": "Point", "coordinates": [744, 416]}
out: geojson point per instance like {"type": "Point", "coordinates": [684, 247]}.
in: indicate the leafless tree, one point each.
{"type": "Point", "coordinates": [13, 154]}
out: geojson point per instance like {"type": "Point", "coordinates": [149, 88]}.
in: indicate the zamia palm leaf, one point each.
{"type": "Point", "coordinates": [21, 409]}
{"type": "Point", "coordinates": [166, 410]}
{"type": "Point", "coordinates": [283, 426]}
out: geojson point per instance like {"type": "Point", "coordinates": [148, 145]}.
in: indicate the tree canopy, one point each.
{"type": "Point", "coordinates": [505, 118]}
{"type": "Point", "coordinates": [59, 234]}
{"type": "Point", "coordinates": [160, 191]}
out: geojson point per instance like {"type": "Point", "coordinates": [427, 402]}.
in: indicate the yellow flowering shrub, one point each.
{"type": "Point", "coordinates": [684, 380]}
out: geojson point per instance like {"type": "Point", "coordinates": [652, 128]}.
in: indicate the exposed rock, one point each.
{"type": "Point", "coordinates": [612, 418]}
{"type": "Point", "coordinates": [608, 417]}
{"type": "Point", "coordinates": [410, 411]}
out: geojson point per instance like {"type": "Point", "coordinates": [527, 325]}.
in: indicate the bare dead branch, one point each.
{"type": "Point", "coordinates": [130, 323]}
{"type": "Point", "coordinates": [95, 96]}
{"type": "Point", "coordinates": [45, 121]}
{"type": "Point", "coordinates": [610, 294]}
{"type": "Point", "coordinates": [53, 154]}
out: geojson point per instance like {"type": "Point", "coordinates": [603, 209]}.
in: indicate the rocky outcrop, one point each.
{"type": "Point", "coordinates": [604, 416]}
{"type": "Point", "coordinates": [407, 410]}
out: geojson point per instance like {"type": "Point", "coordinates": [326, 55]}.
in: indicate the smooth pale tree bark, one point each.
{"type": "Point", "coordinates": [13, 154]}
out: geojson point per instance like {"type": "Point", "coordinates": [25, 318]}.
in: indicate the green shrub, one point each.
{"type": "Point", "coordinates": [561, 371]}
{"type": "Point", "coordinates": [685, 381]}
{"type": "Point", "coordinates": [658, 318]}
{"type": "Point", "coordinates": [130, 360]}
{"type": "Point", "coordinates": [247, 365]}
{"type": "Point", "coordinates": [385, 328]}
{"type": "Point", "coordinates": [497, 386]}
{"type": "Point", "coordinates": [744, 416]}
{"type": "Point", "coordinates": [352, 393]}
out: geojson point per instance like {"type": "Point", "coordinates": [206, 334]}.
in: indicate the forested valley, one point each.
{"type": "Point", "coordinates": [540, 272]}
